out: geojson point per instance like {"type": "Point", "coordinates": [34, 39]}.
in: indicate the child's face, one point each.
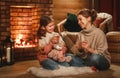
{"type": "Point", "coordinates": [50, 27]}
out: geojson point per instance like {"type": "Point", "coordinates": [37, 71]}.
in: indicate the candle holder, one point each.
{"type": "Point", "coordinates": [7, 53]}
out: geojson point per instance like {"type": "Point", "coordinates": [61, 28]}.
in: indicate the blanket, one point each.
{"type": "Point", "coordinates": [62, 71]}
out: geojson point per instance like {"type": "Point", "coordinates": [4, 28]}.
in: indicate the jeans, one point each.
{"type": "Point", "coordinates": [52, 64]}
{"type": "Point", "coordinates": [76, 60]}
{"type": "Point", "coordinates": [100, 62]}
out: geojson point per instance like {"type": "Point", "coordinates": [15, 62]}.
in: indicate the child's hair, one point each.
{"type": "Point", "coordinates": [44, 21]}
{"type": "Point", "coordinates": [86, 13]}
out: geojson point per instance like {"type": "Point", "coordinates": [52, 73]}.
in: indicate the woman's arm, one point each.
{"type": "Point", "coordinates": [85, 45]}
{"type": "Point", "coordinates": [102, 44]}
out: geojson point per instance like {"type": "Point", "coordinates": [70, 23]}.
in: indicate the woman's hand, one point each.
{"type": "Point", "coordinates": [84, 44]}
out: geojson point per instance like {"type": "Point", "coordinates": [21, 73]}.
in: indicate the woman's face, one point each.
{"type": "Point", "coordinates": [83, 21]}
{"type": "Point", "coordinates": [50, 27]}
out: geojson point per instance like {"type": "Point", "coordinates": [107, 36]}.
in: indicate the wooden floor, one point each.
{"type": "Point", "coordinates": [18, 70]}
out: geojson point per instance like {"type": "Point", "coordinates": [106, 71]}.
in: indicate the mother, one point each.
{"type": "Point", "coordinates": [91, 44]}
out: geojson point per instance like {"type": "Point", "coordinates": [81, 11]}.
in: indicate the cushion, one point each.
{"type": "Point", "coordinates": [71, 23]}
{"type": "Point", "coordinates": [98, 21]}
{"type": "Point", "coordinates": [113, 36]}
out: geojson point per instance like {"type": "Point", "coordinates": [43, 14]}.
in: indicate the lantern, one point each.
{"type": "Point", "coordinates": [8, 51]}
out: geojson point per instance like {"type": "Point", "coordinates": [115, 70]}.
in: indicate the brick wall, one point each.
{"type": "Point", "coordinates": [24, 21]}
{"type": "Point", "coordinates": [10, 10]}
{"type": "Point", "coordinates": [45, 7]}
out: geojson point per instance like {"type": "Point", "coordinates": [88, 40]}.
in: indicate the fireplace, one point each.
{"type": "Point", "coordinates": [20, 20]}
{"type": "Point", "coordinates": [24, 23]}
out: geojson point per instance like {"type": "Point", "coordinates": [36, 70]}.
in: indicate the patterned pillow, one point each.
{"type": "Point", "coordinates": [98, 21]}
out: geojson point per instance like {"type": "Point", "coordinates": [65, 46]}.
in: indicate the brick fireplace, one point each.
{"type": "Point", "coordinates": [19, 19]}
{"type": "Point", "coordinates": [24, 23]}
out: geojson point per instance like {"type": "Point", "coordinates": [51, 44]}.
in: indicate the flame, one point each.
{"type": "Point", "coordinates": [19, 42]}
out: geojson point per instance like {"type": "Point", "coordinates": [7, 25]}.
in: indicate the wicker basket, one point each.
{"type": "Point", "coordinates": [114, 47]}
{"type": "Point", "coordinates": [113, 39]}
{"type": "Point", "coordinates": [113, 36]}
{"type": "Point", "coordinates": [115, 57]}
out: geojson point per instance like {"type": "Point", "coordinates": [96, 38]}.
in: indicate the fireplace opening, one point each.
{"type": "Point", "coordinates": [24, 23]}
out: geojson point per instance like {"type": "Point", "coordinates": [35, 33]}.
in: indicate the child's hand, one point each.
{"type": "Point", "coordinates": [62, 59]}
{"type": "Point", "coordinates": [60, 56]}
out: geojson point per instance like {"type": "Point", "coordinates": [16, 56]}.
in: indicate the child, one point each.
{"type": "Point", "coordinates": [46, 33]}
{"type": "Point", "coordinates": [56, 53]}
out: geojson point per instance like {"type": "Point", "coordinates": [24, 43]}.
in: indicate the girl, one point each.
{"type": "Point", "coordinates": [91, 44]}
{"type": "Point", "coordinates": [56, 53]}
{"type": "Point", "coordinates": [45, 33]}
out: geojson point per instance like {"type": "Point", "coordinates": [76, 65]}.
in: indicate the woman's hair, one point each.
{"type": "Point", "coordinates": [86, 13]}
{"type": "Point", "coordinates": [44, 21]}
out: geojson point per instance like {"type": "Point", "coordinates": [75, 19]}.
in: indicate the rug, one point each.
{"type": "Point", "coordinates": [62, 71]}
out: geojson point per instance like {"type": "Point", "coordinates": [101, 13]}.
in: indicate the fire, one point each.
{"type": "Point", "coordinates": [19, 42]}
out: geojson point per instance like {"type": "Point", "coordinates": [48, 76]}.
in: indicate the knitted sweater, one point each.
{"type": "Point", "coordinates": [96, 40]}
{"type": "Point", "coordinates": [43, 42]}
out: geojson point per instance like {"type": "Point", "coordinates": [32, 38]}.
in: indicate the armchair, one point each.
{"type": "Point", "coordinates": [113, 39]}
{"type": "Point", "coordinates": [103, 21]}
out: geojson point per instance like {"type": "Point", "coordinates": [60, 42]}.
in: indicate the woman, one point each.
{"type": "Point", "coordinates": [45, 33]}
{"type": "Point", "coordinates": [91, 44]}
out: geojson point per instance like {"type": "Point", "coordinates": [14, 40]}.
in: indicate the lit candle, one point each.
{"type": "Point", "coordinates": [8, 54]}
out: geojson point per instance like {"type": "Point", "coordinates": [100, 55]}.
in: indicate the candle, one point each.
{"type": "Point", "coordinates": [8, 54]}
